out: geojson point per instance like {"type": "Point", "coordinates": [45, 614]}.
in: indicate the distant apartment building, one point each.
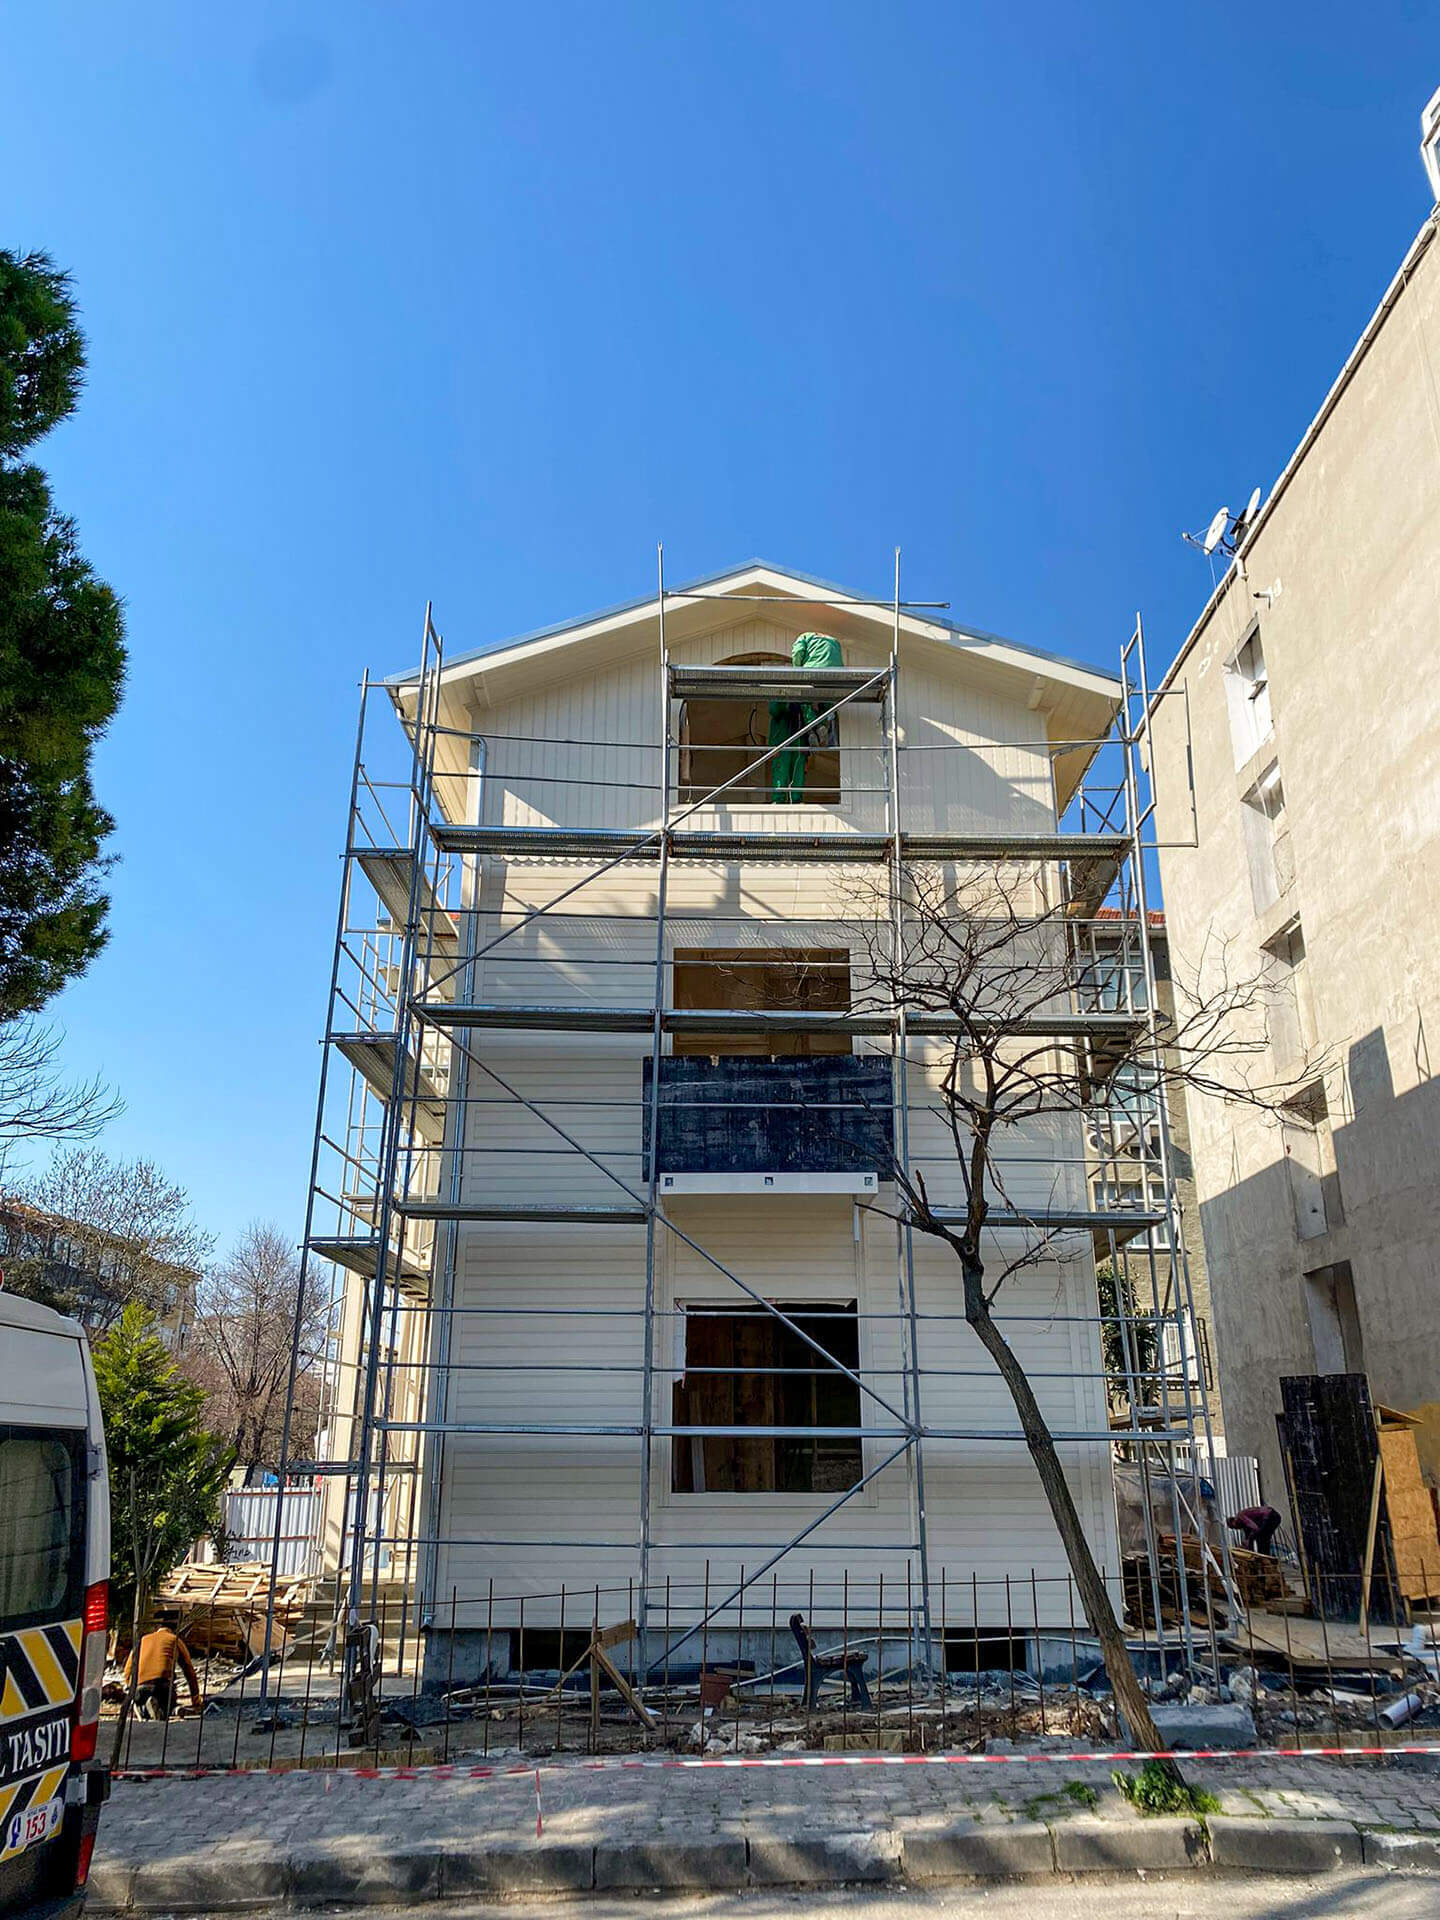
{"type": "Point", "coordinates": [91, 1275]}
{"type": "Point", "coordinates": [1306, 702]}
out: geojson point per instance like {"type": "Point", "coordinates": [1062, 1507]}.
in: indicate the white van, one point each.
{"type": "Point", "coordinates": [54, 1566]}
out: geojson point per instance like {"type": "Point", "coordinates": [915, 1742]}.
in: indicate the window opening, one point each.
{"type": "Point", "coordinates": [1292, 1011]}
{"type": "Point", "coordinates": [547, 1649]}
{"type": "Point", "coordinates": [762, 979]}
{"type": "Point", "coordinates": [1334, 1319]}
{"type": "Point", "coordinates": [1267, 840]}
{"type": "Point", "coordinates": [987, 1651]}
{"type": "Point", "coordinates": [720, 738]}
{"type": "Point", "coordinates": [746, 1369]}
{"type": "Point", "coordinates": [1310, 1158]}
{"type": "Point", "coordinates": [1247, 686]}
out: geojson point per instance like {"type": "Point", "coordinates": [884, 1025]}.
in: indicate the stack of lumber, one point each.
{"type": "Point", "coordinates": [223, 1607]}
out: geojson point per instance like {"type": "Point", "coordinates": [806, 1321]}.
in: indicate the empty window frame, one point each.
{"type": "Point", "coordinates": [1334, 1318]}
{"type": "Point", "coordinates": [762, 980]}
{"type": "Point", "coordinates": [744, 1368]}
{"type": "Point", "coordinates": [1310, 1162]}
{"type": "Point", "coordinates": [719, 739]}
{"type": "Point", "coordinates": [1291, 1008]}
{"type": "Point", "coordinates": [1267, 840]}
{"type": "Point", "coordinates": [1247, 692]}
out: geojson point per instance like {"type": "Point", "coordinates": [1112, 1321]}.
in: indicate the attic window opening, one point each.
{"type": "Point", "coordinates": [748, 1369]}
{"type": "Point", "coordinates": [719, 739]}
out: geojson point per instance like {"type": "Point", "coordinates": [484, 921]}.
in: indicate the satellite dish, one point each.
{"type": "Point", "coordinates": [1215, 532]}
{"type": "Point", "coordinates": [1242, 520]}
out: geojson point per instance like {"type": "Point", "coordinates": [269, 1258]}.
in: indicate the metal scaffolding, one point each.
{"type": "Point", "coordinates": [390, 1197]}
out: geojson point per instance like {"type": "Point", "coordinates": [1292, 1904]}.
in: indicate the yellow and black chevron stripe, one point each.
{"type": "Point", "coordinates": [41, 1667]}
{"type": "Point", "coordinates": [24, 1794]}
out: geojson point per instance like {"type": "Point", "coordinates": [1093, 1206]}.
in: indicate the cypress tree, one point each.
{"type": "Point", "coordinates": [62, 659]}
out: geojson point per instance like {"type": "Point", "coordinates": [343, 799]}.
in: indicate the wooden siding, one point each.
{"type": "Point", "coordinates": [577, 1499]}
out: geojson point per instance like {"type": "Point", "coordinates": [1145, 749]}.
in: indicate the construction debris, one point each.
{"type": "Point", "coordinates": [222, 1608]}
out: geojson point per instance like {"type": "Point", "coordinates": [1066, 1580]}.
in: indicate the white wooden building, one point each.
{"type": "Point", "coordinates": [597, 1373]}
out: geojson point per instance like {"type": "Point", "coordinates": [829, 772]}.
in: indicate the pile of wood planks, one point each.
{"type": "Point", "coordinates": [223, 1607]}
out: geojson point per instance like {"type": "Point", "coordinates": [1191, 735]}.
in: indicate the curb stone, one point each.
{"type": "Point", "coordinates": [688, 1863]}
{"type": "Point", "coordinates": [1283, 1846]}
{"type": "Point", "coordinates": [1403, 1852]}
{"type": "Point", "coordinates": [823, 1859]}
{"type": "Point", "coordinates": [1120, 1846]}
{"type": "Point", "coordinates": [507, 1869]}
{"type": "Point", "coordinates": [358, 1872]}
{"type": "Point", "coordinates": [214, 1880]}
{"type": "Point", "coordinates": [1020, 1850]}
{"type": "Point", "coordinates": [109, 1884]}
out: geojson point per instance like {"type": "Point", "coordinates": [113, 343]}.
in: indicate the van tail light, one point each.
{"type": "Point", "coordinates": [82, 1863]}
{"type": "Point", "coordinates": [92, 1673]}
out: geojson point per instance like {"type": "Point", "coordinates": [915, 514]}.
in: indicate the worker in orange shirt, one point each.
{"type": "Point", "coordinates": [161, 1651]}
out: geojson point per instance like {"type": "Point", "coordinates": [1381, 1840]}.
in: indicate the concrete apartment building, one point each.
{"type": "Point", "coordinates": [90, 1274]}
{"type": "Point", "coordinates": [1306, 700]}
{"type": "Point", "coordinates": [661, 1375]}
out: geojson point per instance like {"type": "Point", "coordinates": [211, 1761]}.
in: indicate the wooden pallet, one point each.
{"type": "Point", "coordinates": [223, 1607]}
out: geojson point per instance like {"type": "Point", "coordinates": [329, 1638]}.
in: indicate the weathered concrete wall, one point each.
{"type": "Point", "coordinates": [1344, 576]}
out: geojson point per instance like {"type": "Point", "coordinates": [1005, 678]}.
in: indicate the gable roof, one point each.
{"type": "Point", "coordinates": [1073, 702]}
{"type": "Point", "coordinates": [788, 583]}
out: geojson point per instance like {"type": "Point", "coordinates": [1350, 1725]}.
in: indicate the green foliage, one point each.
{"type": "Point", "coordinates": [167, 1470]}
{"type": "Point", "coordinates": [42, 352]}
{"type": "Point", "coordinates": [1125, 1348]}
{"type": "Point", "coordinates": [1040, 1806]}
{"type": "Point", "coordinates": [62, 660]}
{"type": "Point", "coordinates": [1158, 1788]}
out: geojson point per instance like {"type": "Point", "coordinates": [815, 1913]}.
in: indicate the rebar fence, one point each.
{"type": "Point", "coordinates": [741, 1684]}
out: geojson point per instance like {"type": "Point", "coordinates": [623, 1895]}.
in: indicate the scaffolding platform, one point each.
{"type": "Point", "coordinates": [360, 1253]}
{"type": "Point", "coordinates": [599, 1019]}
{"type": "Point", "coordinates": [812, 685]}
{"type": "Point", "coordinates": [390, 871]}
{"type": "Point", "coordinates": [787, 844]}
{"type": "Point", "coordinates": [374, 1057]}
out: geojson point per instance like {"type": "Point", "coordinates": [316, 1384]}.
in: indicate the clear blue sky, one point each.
{"type": "Point", "coordinates": [475, 302]}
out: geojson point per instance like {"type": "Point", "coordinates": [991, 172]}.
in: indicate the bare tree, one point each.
{"type": "Point", "coordinates": [119, 1232]}
{"type": "Point", "coordinates": [241, 1348]}
{"type": "Point", "coordinates": [36, 1104]}
{"type": "Point", "coordinates": [1000, 971]}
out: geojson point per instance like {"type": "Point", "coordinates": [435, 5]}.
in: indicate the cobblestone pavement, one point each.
{"type": "Point", "coordinates": [156, 1820]}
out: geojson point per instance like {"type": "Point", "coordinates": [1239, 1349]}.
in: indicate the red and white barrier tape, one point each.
{"type": "Point", "coordinates": [618, 1762]}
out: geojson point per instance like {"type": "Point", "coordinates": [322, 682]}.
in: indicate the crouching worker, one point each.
{"type": "Point", "coordinates": [160, 1652]}
{"type": "Point", "coordinates": [1257, 1526]}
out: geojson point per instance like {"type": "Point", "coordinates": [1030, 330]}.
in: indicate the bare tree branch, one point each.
{"type": "Point", "coordinates": [1002, 972]}
{"type": "Point", "coordinates": [240, 1352]}
{"type": "Point", "coordinates": [36, 1104]}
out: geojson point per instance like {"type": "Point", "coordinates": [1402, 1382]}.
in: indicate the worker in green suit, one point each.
{"type": "Point", "coordinates": [787, 717]}
{"type": "Point", "coordinates": [787, 768]}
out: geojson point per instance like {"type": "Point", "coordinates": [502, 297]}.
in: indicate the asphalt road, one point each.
{"type": "Point", "coordinates": [1335, 1896]}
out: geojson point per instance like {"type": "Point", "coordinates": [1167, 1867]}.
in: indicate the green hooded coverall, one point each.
{"type": "Point", "coordinates": [787, 769]}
